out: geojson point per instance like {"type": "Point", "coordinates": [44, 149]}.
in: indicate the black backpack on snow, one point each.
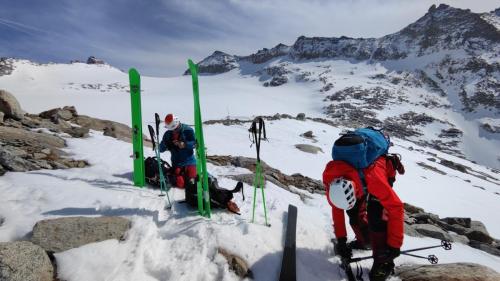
{"type": "Point", "coordinates": [219, 197]}
{"type": "Point", "coordinates": [152, 173]}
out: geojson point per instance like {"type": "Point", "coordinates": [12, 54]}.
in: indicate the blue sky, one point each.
{"type": "Point", "coordinates": [157, 36]}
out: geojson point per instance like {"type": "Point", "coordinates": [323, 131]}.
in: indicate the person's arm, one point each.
{"type": "Point", "coordinates": [189, 138]}
{"type": "Point", "coordinates": [166, 143]}
{"type": "Point", "coordinates": [378, 186]}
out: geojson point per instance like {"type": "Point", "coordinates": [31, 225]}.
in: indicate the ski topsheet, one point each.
{"type": "Point", "coordinates": [201, 159]}
{"type": "Point", "coordinates": [288, 263]}
{"type": "Point", "coordinates": [138, 152]}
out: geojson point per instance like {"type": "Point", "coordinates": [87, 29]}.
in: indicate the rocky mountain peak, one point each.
{"type": "Point", "coordinates": [265, 54]}
{"type": "Point", "coordinates": [217, 62]}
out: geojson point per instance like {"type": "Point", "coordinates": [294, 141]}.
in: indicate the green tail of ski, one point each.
{"type": "Point", "coordinates": [138, 152]}
{"type": "Point", "coordinates": [201, 159]}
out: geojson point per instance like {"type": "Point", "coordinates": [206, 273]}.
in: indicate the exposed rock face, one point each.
{"type": "Point", "coordinates": [10, 106]}
{"type": "Point", "coordinates": [236, 264]}
{"type": "Point", "coordinates": [218, 62]}
{"type": "Point", "coordinates": [265, 54]}
{"type": "Point", "coordinates": [57, 235]}
{"type": "Point", "coordinates": [2, 220]}
{"type": "Point", "coordinates": [456, 229]}
{"type": "Point", "coordinates": [24, 261]}
{"type": "Point", "coordinates": [6, 66]}
{"type": "Point", "coordinates": [447, 272]}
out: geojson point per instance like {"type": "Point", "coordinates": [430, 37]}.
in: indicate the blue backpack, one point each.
{"type": "Point", "coordinates": [360, 148]}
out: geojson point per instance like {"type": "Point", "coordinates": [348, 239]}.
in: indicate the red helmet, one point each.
{"type": "Point", "coordinates": [171, 122]}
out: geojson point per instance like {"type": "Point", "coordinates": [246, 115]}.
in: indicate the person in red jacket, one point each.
{"type": "Point", "coordinates": [376, 216]}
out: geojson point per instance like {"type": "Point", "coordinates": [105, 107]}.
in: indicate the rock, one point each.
{"type": "Point", "coordinates": [457, 238]}
{"type": "Point", "coordinates": [453, 165]}
{"type": "Point", "coordinates": [94, 60]}
{"type": "Point", "coordinates": [447, 272]}
{"type": "Point", "coordinates": [412, 209]}
{"type": "Point", "coordinates": [485, 247]}
{"type": "Point", "coordinates": [2, 220]}
{"type": "Point", "coordinates": [425, 218]}
{"type": "Point", "coordinates": [9, 134]}
{"type": "Point", "coordinates": [2, 115]}
{"type": "Point", "coordinates": [24, 261]}
{"type": "Point", "coordinates": [57, 235]}
{"type": "Point", "coordinates": [11, 159]}
{"type": "Point", "coordinates": [465, 222]}
{"type": "Point", "coordinates": [66, 114]}
{"type": "Point", "coordinates": [301, 116]}
{"type": "Point", "coordinates": [2, 170]}
{"type": "Point", "coordinates": [10, 106]}
{"type": "Point", "coordinates": [246, 178]}
{"type": "Point", "coordinates": [308, 134]}
{"type": "Point", "coordinates": [309, 148]}
{"type": "Point", "coordinates": [411, 231]}
{"type": "Point", "coordinates": [110, 128]}
{"type": "Point", "coordinates": [479, 233]}
{"type": "Point", "coordinates": [236, 263]}
{"type": "Point", "coordinates": [433, 231]}
{"type": "Point", "coordinates": [479, 236]}
{"type": "Point", "coordinates": [77, 132]}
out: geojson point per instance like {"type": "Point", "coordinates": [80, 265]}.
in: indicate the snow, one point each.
{"type": "Point", "coordinates": [178, 244]}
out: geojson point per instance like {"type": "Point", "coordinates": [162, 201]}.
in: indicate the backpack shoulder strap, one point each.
{"type": "Point", "coordinates": [363, 181]}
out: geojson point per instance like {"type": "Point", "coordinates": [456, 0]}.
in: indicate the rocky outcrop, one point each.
{"type": "Point", "coordinates": [447, 272]}
{"type": "Point", "coordinates": [10, 106]}
{"type": "Point", "coordinates": [24, 261]}
{"type": "Point", "coordinates": [2, 220]}
{"type": "Point", "coordinates": [456, 229]}
{"type": "Point", "coordinates": [94, 60]}
{"type": "Point", "coordinates": [57, 235]}
{"type": "Point", "coordinates": [271, 174]}
{"type": "Point", "coordinates": [216, 63]}
{"type": "Point", "coordinates": [236, 264]}
{"type": "Point", "coordinates": [6, 66]}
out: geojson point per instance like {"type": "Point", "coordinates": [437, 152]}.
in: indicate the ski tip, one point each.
{"type": "Point", "coordinates": [133, 71]}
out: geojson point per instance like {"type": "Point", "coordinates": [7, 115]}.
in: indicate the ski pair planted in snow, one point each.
{"type": "Point", "coordinates": [155, 139]}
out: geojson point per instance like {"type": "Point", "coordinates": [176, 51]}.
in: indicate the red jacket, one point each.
{"type": "Point", "coordinates": [376, 176]}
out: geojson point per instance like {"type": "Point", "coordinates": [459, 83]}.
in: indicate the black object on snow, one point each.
{"type": "Point", "coordinates": [288, 264]}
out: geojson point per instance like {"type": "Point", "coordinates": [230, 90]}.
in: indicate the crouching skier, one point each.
{"type": "Point", "coordinates": [180, 141]}
{"type": "Point", "coordinates": [376, 216]}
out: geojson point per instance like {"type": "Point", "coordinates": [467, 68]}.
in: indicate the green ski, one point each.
{"type": "Point", "coordinates": [201, 158]}
{"type": "Point", "coordinates": [138, 152]}
{"type": "Point", "coordinates": [258, 132]}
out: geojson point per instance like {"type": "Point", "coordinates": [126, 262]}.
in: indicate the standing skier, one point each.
{"type": "Point", "coordinates": [376, 217]}
{"type": "Point", "coordinates": [180, 141]}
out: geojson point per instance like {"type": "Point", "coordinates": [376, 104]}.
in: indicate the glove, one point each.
{"type": "Point", "coordinates": [341, 248]}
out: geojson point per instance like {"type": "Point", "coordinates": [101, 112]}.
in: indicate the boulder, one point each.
{"type": "Point", "coordinates": [309, 148]}
{"type": "Point", "coordinates": [2, 115]}
{"type": "Point", "coordinates": [236, 264]}
{"type": "Point", "coordinates": [24, 261]}
{"type": "Point", "coordinates": [433, 231]}
{"type": "Point", "coordinates": [425, 218]}
{"type": "Point", "coordinates": [301, 116]}
{"type": "Point", "coordinates": [308, 135]}
{"type": "Point", "coordinates": [2, 170]}
{"type": "Point", "coordinates": [411, 231]}
{"type": "Point", "coordinates": [57, 235]}
{"type": "Point", "coordinates": [77, 132]}
{"type": "Point", "coordinates": [11, 158]}
{"type": "Point", "coordinates": [479, 233]}
{"type": "Point", "coordinates": [10, 106]}
{"type": "Point", "coordinates": [409, 208]}
{"type": "Point", "coordinates": [447, 272]}
{"type": "Point", "coordinates": [457, 238]}
{"type": "Point", "coordinates": [67, 113]}
{"type": "Point", "coordinates": [465, 222]}
{"type": "Point", "coordinates": [485, 247]}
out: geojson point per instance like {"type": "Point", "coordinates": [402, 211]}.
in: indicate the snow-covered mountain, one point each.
{"type": "Point", "coordinates": [436, 82]}
{"type": "Point", "coordinates": [434, 97]}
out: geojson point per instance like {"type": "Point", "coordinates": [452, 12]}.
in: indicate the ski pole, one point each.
{"type": "Point", "coordinates": [444, 244]}
{"type": "Point", "coordinates": [431, 258]}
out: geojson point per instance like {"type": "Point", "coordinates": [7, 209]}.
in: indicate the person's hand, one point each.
{"type": "Point", "coordinates": [181, 144]}
{"type": "Point", "coordinates": [392, 253]}
{"type": "Point", "coordinates": [341, 248]}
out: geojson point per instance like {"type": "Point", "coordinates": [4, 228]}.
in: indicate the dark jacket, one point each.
{"type": "Point", "coordinates": [180, 157]}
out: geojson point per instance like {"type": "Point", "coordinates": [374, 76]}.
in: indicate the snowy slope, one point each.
{"type": "Point", "coordinates": [180, 245]}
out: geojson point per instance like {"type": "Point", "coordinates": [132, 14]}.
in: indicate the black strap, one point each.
{"type": "Point", "coordinates": [256, 129]}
